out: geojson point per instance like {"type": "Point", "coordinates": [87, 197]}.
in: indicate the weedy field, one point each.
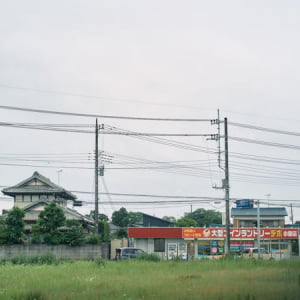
{"type": "Point", "coordinates": [134, 279]}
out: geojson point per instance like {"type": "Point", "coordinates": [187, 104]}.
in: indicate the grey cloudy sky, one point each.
{"type": "Point", "coordinates": [166, 59]}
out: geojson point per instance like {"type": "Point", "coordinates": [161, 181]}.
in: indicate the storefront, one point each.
{"type": "Point", "coordinates": [195, 243]}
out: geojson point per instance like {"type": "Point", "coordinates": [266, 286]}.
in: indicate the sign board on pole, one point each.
{"type": "Point", "coordinates": [244, 203]}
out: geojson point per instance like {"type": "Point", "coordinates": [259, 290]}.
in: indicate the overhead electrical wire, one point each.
{"type": "Point", "coordinates": [264, 143]}
{"type": "Point", "coordinates": [253, 127]}
{"type": "Point", "coordinates": [43, 111]}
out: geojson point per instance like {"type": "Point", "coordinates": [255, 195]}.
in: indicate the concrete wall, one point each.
{"type": "Point", "coordinates": [60, 251]}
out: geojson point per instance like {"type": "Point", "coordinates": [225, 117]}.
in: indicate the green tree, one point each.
{"type": "Point", "coordinates": [186, 222]}
{"type": "Point", "coordinates": [170, 219]}
{"type": "Point", "coordinates": [102, 217]}
{"type": "Point", "coordinates": [35, 234]}
{"type": "Point", "coordinates": [104, 231]}
{"type": "Point", "coordinates": [121, 233]}
{"type": "Point", "coordinates": [120, 217]}
{"type": "Point", "coordinates": [123, 218]}
{"type": "Point", "coordinates": [205, 217]}
{"type": "Point", "coordinates": [15, 226]}
{"type": "Point", "coordinates": [49, 222]}
{"type": "Point", "coordinates": [2, 230]}
{"type": "Point", "coordinates": [74, 235]}
{"type": "Point", "coordinates": [134, 218]}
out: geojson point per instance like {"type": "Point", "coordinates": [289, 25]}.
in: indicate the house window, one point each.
{"type": "Point", "coordinates": [159, 245]}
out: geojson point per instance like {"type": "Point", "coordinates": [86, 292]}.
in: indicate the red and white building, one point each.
{"type": "Point", "coordinates": [195, 243]}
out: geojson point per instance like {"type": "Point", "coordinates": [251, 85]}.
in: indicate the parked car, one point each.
{"type": "Point", "coordinates": [253, 253]}
{"type": "Point", "coordinates": [128, 253]}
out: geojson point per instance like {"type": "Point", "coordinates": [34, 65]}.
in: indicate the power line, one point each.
{"type": "Point", "coordinates": [100, 116]}
{"type": "Point", "coordinates": [264, 143]}
{"type": "Point", "coordinates": [264, 129]}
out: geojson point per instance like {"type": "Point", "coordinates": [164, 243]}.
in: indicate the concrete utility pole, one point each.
{"type": "Point", "coordinates": [96, 179]}
{"type": "Point", "coordinates": [258, 228]}
{"type": "Point", "coordinates": [292, 216]}
{"type": "Point", "coordinates": [226, 186]}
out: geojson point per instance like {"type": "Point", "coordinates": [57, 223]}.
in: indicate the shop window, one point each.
{"type": "Point", "coordinates": [159, 245]}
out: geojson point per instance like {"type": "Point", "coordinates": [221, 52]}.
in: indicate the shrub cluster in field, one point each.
{"type": "Point", "coordinates": [45, 259]}
{"type": "Point", "coordinates": [148, 257]}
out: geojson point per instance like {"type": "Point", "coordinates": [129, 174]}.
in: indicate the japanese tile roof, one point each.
{"type": "Point", "coordinates": [264, 211]}
{"type": "Point", "coordinates": [31, 214]}
{"type": "Point", "coordinates": [47, 187]}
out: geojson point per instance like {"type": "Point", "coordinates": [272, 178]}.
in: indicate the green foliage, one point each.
{"type": "Point", "coordinates": [134, 279]}
{"type": "Point", "coordinates": [148, 257]}
{"type": "Point", "coordinates": [54, 237]}
{"type": "Point", "coordinates": [121, 233]}
{"type": "Point", "coordinates": [134, 218]}
{"type": "Point", "coordinates": [45, 259]}
{"type": "Point", "coordinates": [100, 262]}
{"type": "Point", "coordinates": [32, 295]}
{"type": "Point", "coordinates": [120, 217]}
{"type": "Point", "coordinates": [93, 239]}
{"type": "Point", "coordinates": [15, 226]}
{"type": "Point", "coordinates": [205, 217]}
{"type": "Point", "coordinates": [123, 218]}
{"type": "Point", "coordinates": [186, 222]}
{"type": "Point", "coordinates": [3, 235]}
{"type": "Point", "coordinates": [101, 217]}
{"type": "Point", "coordinates": [74, 235]}
{"type": "Point", "coordinates": [104, 231]}
{"type": "Point", "coordinates": [35, 235]}
{"type": "Point", "coordinates": [170, 219]}
{"type": "Point", "coordinates": [49, 221]}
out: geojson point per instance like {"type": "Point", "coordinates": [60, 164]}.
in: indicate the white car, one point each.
{"type": "Point", "coordinates": [253, 253]}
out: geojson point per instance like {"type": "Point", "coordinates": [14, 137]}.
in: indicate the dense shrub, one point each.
{"type": "Point", "coordinates": [148, 257]}
{"type": "Point", "coordinates": [74, 235]}
{"type": "Point", "coordinates": [45, 259]}
{"type": "Point", "coordinates": [93, 239]}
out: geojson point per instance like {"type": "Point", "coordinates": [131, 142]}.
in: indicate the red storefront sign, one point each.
{"type": "Point", "coordinates": [240, 233]}
{"type": "Point", "coordinates": [155, 232]}
{"type": "Point", "coordinates": [211, 233]}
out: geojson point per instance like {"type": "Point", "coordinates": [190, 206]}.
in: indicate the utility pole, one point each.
{"type": "Point", "coordinates": [226, 186]}
{"type": "Point", "coordinates": [258, 228]}
{"type": "Point", "coordinates": [96, 179]}
{"type": "Point", "coordinates": [225, 182]}
{"type": "Point", "coordinates": [292, 216]}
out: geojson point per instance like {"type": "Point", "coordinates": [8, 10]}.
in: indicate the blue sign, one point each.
{"type": "Point", "coordinates": [244, 203]}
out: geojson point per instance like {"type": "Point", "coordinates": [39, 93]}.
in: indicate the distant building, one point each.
{"type": "Point", "coordinates": [38, 188]}
{"type": "Point", "coordinates": [151, 221]}
{"type": "Point", "coordinates": [37, 191]}
{"type": "Point", "coordinates": [269, 217]}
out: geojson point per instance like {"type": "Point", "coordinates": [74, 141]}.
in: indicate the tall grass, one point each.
{"type": "Point", "coordinates": [134, 279]}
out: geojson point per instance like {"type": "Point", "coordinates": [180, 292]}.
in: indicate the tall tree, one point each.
{"type": "Point", "coordinates": [74, 235]}
{"type": "Point", "coordinates": [123, 218]}
{"type": "Point", "coordinates": [120, 217]}
{"type": "Point", "coordinates": [15, 226]}
{"type": "Point", "coordinates": [186, 222]}
{"type": "Point", "coordinates": [49, 221]}
{"type": "Point", "coordinates": [205, 217]}
{"type": "Point", "coordinates": [102, 217]}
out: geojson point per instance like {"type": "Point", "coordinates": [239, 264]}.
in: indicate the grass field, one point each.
{"type": "Point", "coordinates": [216, 280]}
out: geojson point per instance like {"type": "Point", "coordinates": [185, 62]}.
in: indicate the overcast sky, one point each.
{"type": "Point", "coordinates": [153, 59]}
